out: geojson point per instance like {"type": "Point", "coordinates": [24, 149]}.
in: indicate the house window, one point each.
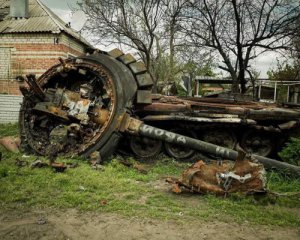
{"type": "Point", "coordinates": [5, 63]}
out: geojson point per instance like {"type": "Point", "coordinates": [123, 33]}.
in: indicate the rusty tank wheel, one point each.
{"type": "Point", "coordinates": [177, 151]}
{"type": "Point", "coordinates": [257, 142]}
{"type": "Point", "coordinates": [222, 137]}
{"type": "Point", "coordinates": [144, 147]}
{"type": "Point", "coordinates": [76, 106]}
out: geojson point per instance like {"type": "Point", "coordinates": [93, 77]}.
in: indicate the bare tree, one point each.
{"type": "Point", "coordinates": [152, 27]}
{"type": "Point", "coordinates": [132, 23]}
{"type": "Point", "coordinates": [240, 30]}
{"type": "Point", "coordinates": [174, 37]}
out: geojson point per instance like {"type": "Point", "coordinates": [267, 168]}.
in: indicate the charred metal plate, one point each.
{"type": "Point", "coordinates": [144, 80]}
{"type": "Point", "coordinates": [144, 97]}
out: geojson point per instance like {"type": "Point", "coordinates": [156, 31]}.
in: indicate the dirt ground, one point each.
{"type": "Point", "coordinates": [72, 224]}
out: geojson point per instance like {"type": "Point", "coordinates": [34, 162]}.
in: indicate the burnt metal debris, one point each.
{"type": "Point", "coordinates": [103, 102]}
{"type": "Point", "coordinates": [245, 175]}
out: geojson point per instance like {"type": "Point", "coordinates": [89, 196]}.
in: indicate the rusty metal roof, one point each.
{"type": "Point", "coordinates": [41, 19]}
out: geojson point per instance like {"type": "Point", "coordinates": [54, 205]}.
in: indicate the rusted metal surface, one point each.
{"type": "Point", "coordinates": [58, 167]}
{"type": "Point", "coordinates": [245, 175]}
{"type": "Point", "coordinates": [197, 119]}
{"type": "Point", "coordinates": [31, 81]}
{"type": "Point", "coordinates": [202, 115]}
{"type": "Point", "coordinates": [163, 107]}
{"type": "Point", "coordinates": [251, 110]}
{"type": "Point", "coordinates": [90, 105]}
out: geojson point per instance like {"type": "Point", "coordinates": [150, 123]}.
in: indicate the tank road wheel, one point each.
{"type": "Point", "coordinates": [76, 105]}
{"type": "Point", "coordinates": [222, 137]}
{"type": "Point", "coordinates": [145, 147]}
{"type": "Point", "coordinates": [257, 142]}
{"type": "Point", "coordinates": [177, 151]}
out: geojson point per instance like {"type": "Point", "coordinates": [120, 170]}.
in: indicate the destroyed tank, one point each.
{"type": "Point", "coordinates": [89, 104]}
{"type": "Point", "coordinates": [258, 128]}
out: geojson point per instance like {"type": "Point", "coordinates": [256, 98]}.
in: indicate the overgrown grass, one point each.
{"type": "Point", "coordinates": [123, 190]}
{"type": "Point", "coordinates": [10, 129]}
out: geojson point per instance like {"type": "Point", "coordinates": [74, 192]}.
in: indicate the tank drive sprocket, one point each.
{"type": "Point", "coordinates": [77, 104]}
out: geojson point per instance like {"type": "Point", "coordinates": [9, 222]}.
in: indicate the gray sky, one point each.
{"type": "Point", "coordinates": [60, 4]}
{"type": "Point", "coordinates": [63, 9]}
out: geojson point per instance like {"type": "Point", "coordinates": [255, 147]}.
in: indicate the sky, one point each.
{"type": "Point", "coordinates": [63, 8]}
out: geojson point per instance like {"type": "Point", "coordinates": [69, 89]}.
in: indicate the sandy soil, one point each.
{"type": "Point", "coordinates": [72, 224]}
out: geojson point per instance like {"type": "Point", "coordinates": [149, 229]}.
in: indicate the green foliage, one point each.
{"type": "Point", "coordinates": [164, 70]}
{"type": "Point", "coordinates": [10, 129]}
{"type": "Point", "coordinates": [284, 72]}
{"type": "Point", "coordinates": [287, 72]}
{"type": "Point", "coordinates": [291, 153]}
{"type": "Point", "coordinates": [119, 189]}
{"type": "Point", "coordinates": [123, 190]}
{"type": "Point", "coordinates": [195, 69]}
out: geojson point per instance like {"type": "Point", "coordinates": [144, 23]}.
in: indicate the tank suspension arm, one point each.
{"type": "Point", "coordinates": [137, 127]}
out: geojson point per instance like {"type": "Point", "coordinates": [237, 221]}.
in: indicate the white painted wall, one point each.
{"type": "Point", "coordinates": [9, 108]}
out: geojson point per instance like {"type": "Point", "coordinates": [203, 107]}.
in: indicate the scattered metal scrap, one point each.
{"type": "Point", "coordinates": [38, 164]}
{"type": "Point", "coordinates": [58, 167]}
{"type": "Point", "coordinates": [137, 166]}
{"type": "Point", "coordinates": [104, 101]}
{"type": "Point", "coordinates": [11, 143]}
{"type": "Point", "coordinates": [245, 175]}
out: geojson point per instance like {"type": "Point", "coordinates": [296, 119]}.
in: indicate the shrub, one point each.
{"type": "Point", "coordinates": [291, 153]}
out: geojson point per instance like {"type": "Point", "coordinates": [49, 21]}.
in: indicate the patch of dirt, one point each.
{"type": "Point", "coordinates": [71, 224]}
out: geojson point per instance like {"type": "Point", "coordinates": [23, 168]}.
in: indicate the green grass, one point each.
{"type": "Point", "coordinates": [10, 129]}
{"type": "Point", "coordinates": [123, 190]}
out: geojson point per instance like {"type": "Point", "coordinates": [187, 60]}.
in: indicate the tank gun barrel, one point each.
{"type": "Point", "coordinates": [137, 127]}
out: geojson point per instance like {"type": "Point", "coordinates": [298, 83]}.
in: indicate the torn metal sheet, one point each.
{"type": "Point", "coordinates": [245, 175]}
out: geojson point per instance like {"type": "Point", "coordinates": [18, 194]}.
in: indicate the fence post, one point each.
{"type": "Point", "coordinates": [275, 91]}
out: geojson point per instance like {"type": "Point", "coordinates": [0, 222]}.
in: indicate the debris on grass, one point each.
{"type": "Point", "coordinates": [95, 157]}
{"type": "Point", "coordinates": [38, 164]}
{"type": "Point", "coordinates": [21, 163]}
{"type": "Point", "coordinates": [137, 166]}
{"type": "Point", "coordinates": [58, 167]}
{"type": "Point", "coordinates": [245, 175]}
{"type": "Point", "coordinates": [11, 144]}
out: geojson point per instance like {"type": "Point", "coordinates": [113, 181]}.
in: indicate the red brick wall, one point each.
{"type": "Point", "coordinates": [34, 53]}
{"type": "Point", "coordinates": [10, 87]}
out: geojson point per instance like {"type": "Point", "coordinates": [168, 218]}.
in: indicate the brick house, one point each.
{"type": "Point", "coordinates": [32, 38]}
